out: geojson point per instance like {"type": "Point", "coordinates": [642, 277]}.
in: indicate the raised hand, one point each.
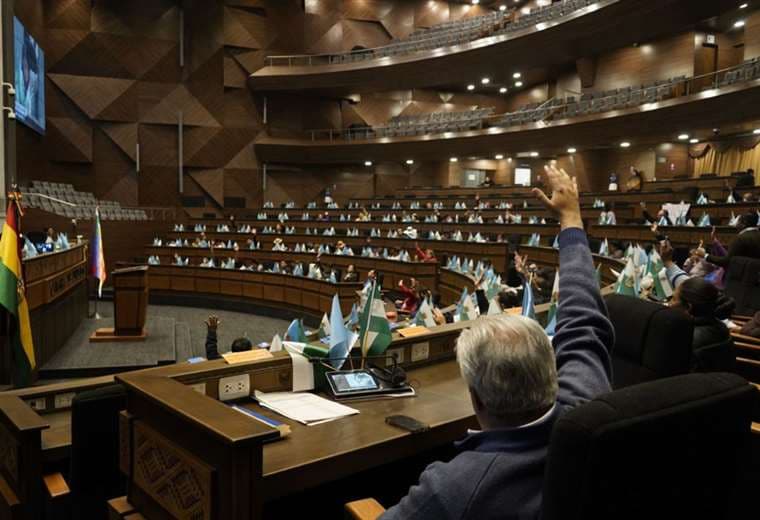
{"type": "Point", "coordinates": [564, 201]}
{"type": "Point", "coordinates": [212, 322]}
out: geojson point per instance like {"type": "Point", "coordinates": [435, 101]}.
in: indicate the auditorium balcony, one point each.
{"type": "Point", "coordinates": [563, 32]}
{"type": "Point", "coordinates": [646, 114]}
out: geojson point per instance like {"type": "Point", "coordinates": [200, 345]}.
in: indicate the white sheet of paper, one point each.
{"type": "Point", "coordinates": [304, 407]}
{"type": "Point", "coordinates": [303, 372]}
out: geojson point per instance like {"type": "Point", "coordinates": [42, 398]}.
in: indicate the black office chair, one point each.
{"type": "Point", "coordinates": [651, 341]}
{"type": "Point", "coordinates": [672, 448]}
{"type": "Point", "coordinates": [743, 284]}
{"type": "Point", "coordinates": [94, 475]}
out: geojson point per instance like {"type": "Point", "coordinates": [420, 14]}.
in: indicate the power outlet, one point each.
{"type": "Point", "coordinates": [234, 387]}
{"type": "Point", "coordinates": [200, 388]}
{"type": "Point", "coordinates": [64, 400]}
{"type": "Point", "coordinates": [399, 352]}
{"type": "Point", "coordinates": [37, 404]}
{"type": "Point", "coordinates": [420, 352]}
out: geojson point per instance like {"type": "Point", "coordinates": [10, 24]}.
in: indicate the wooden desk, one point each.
{"type": "Point", "coordinates": [56, 291]}
{"type": "Point", "coordinates": [314, 455]}
{"type": "Point", "coordinates": [294, 293]}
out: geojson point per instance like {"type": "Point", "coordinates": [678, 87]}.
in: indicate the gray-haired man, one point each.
{"type": "Point", "coordinates": [519, 385]}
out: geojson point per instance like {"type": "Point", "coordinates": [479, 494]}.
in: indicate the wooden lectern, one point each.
{"type": "Point", "coordinates": [130, 305]}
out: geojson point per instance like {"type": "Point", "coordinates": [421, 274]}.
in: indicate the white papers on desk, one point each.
{"type": "Point", "coordinates": [306, 408]}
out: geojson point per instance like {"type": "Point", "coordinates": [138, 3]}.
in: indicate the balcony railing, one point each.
{"type": "Point", "coordinates": [546, 112]}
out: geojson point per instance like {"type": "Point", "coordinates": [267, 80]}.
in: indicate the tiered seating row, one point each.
{"type": "Point", "coordinates": [80, 204]}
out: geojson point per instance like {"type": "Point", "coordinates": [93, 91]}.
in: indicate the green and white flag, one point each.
{"type": "Point", "coordinates": [324, 327]}
{"type": "Point", "coordinates": [628, 282]}
{"type": "Point", "coordinates": [656, 268]}
{"type": "Point", "coordinates": [374, 331]}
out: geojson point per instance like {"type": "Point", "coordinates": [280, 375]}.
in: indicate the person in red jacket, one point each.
{"type": "Point", "coordinates": [428, 255]}
{"type": "Point", "coordinates": [411, 296]}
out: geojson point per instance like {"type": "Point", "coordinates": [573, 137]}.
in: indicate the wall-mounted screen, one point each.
{"type": "Point", "coordinates": [522, 176]}
{"type": "Point", "coordinates": [29, 78]}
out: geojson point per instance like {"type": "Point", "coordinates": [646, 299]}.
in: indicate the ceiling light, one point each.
{"type": "Point", "coordinates": [516, 75]}
{"type": "Point", "coordinates": [485, 81]}
{"type": "Point", "coordinates": [625, 144]}
{"type": "Point", "coordinates": [499, 157]}
{"type": "Point", "coordinates": [503, 90]}
{"type": "Point", "coordinates": [534, 154]}
{"type": "Point", "coordinates": [367, 163]}
{"type": "Point", "coordinates": [475, 2]}
{"type": "Point", "coordinates": [756, 131]}
{"type": "Point", "coordinates": [470, 87]}
{"type": "Point", "coordinates": [410, 161]}
{"type": "Point", "coordinates": [739, 24]}
{"type": "Point", "coordinates": [571, 150]}
{"type": "Point", "coordinates": [694, 140]}
{"type": "Point", "coordinates": [453, 159]}
{"type": "Point", "coordinates": [502, 8]}
{"type": "Point", "coordinates": [743, 6]}
{"type": "Point", "coordinates": [518, 84]}
{"type": "Point", "coordinates": [683, 137]}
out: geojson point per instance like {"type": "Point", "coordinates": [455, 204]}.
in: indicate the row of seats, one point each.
{"type": "Point", "coordinates": [592, 103]}
{"type": "Point", "coordinates": [434, 123]}
{"type": "Point", "coordinates": [442, 35]}
{"type": "Point", "coordinates": [545, 14]}
{"type": "Point", "coordinates": [64, 200]}
{"type": "Point", "coordinates": [749, 70]}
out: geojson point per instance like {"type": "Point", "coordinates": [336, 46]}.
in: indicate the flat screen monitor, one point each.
{"type": "Point", "coordinates": [29, 62]}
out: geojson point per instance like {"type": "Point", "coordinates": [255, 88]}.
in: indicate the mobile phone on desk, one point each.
{"type": "Point", "coordinates": [407, 423]}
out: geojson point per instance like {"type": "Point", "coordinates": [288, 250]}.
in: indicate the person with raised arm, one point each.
{"type": "Point", "coordinates": [520, 383]}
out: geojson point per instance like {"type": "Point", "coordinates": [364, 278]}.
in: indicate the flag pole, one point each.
{"type": "Point", "coordinates": [369, 319]}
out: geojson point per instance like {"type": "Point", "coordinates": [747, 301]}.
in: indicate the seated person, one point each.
{"type": "Point", "coordinates": [50, 236]}
{"type": "Point", "coordinates": [212, 352]}
{"type": "Point", "coordinates": [661, 219]}
{"type": "Point", "coordinates": [519, 385]}
{"type": "Point", "coordinates": [411, 296]}
{"type": "Point", "coordinates": [351, 274]}
{"type": "Point", "coordinates": [428, 255]}
{"type": "Point", "coordinates": [746, 243]}
{"type": "Point", "coordinates": [712, 346]}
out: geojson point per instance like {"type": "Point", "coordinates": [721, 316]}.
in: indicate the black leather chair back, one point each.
{"type": "Point", "coordinates": [672, 448]}
{"type": "Point", "coordinates": [743, 284]}
{"type": "Point", "coordinates": [94, 475]}
{"type": "Point", "coordinates": [651, 341]}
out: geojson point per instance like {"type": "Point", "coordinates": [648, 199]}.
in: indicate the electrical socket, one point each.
{"type": "Point", "coordinates": [234, 387]}
{"type": "Point", "coordinates": [420, 352]}
{"type": "Point", "coordinates": [37, 404]}
{"type": "Point", "coordinates": [63, 400]}
{"type": "Point", "coordinates": [399, 356]}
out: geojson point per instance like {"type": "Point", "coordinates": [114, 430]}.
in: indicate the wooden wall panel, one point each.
{"type": "Point", "coordinates": [752, 36]}
{"type": "Point", "coordinates": [648, 62]}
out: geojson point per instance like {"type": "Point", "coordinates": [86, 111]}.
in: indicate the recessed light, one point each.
{"type": "Point", "coordinates": [743, 6]}
{"type": "Point", "coordinates": [503, 90]}
{"type": "Point", "coordinates": [571, 150]}
{"type": "Point", "coordinates": [693, 140]}
{"type": "Point", "coordinates": [485, 81]}
{"type": "Point", "coordinates": [534, 154]}
{"type": "Point", "coordinates": [518, 84]}
{"type": "Point", "coordinates": [367, 163]}
{"type": "Point", "coordinates": [499, 157]}
{"type": "Point", "coordinates": [470, 87]}
{"type": "Point", "coordinates": [756, 131]}
{"type": "Point", "coordinates": [683, 137]}
{"type": "Point", "coordinates": [516, 75]}
{"type": "Point", "coordinates": [502, 8]}
{"type": "Point", "coordinates": [453, 159]}
{"type": "Point", "coordinates": [475, 2]}
{"type": "Point", "coordinates": [739, 24]}
{"type": "Point", "coordinates": [625, 144]}
{"type": "Point", "coordinates": [410, 161]}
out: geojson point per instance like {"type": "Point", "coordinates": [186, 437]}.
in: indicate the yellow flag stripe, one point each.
{"type": "Point", "coordinates": [9, 250]}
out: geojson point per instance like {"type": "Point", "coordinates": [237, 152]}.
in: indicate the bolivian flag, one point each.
{"type": "Point", "coordinates": [13, 297]}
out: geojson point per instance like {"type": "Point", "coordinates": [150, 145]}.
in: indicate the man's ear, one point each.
{"type": "Point", "coordinates": [477, 404]}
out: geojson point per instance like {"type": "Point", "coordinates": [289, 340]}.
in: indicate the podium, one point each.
{"type": "Point", "coordinates": [130, 306]}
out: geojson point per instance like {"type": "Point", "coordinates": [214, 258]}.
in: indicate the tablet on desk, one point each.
{"type": "Point", "coordinates": [352, 382]}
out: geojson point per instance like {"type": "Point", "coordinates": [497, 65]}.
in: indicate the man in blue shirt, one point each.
{"type": "Point", "coordinates": [520, 382]}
